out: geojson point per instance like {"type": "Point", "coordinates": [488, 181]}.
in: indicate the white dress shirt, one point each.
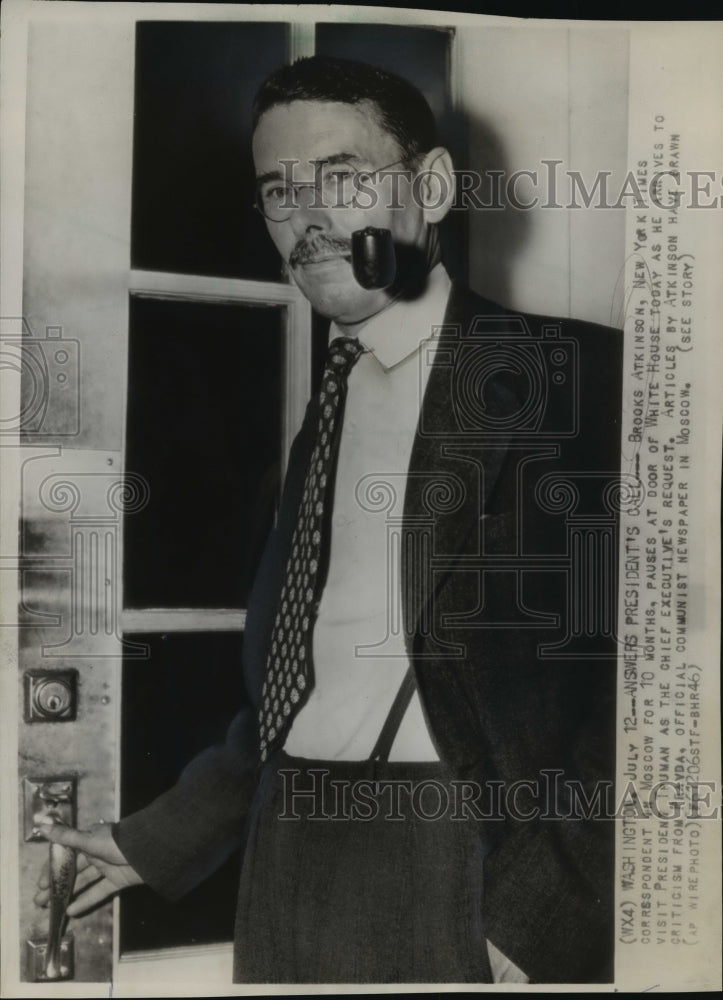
{"type": "Point", "coordinates": [359, 651]}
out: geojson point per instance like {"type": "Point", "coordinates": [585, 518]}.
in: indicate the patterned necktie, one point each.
{"type": "Point", "coordinates": [289, 669]}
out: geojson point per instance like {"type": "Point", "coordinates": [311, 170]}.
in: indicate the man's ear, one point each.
{"type": "Point", "coordinates": [434, 184]}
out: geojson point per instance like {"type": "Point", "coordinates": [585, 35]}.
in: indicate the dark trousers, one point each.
{"type": "Point", "coordinates": [359, 872]}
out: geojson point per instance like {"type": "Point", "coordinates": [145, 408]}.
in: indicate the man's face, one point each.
{"type": "Point", "coordinates": [316, 241]}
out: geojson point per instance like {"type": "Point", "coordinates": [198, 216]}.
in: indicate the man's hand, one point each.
{"type": "Point", "coordinates": [102, 868]}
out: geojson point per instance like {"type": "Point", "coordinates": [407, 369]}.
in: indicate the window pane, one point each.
{"type": "Point", "coordinates": [422, 56]}
{"type": "Point", "coordinates": [175, 704]}
{"type": "Point", "coordinates": [204, 429]}
{"type": "Point", "coordinates": [192, 170]}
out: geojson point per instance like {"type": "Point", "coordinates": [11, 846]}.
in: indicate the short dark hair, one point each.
{"type": "Point", "coordinates": [403, 111]}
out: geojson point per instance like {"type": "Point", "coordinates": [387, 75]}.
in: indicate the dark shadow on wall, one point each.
{"type": "Point", "coordinates": [497, 231]}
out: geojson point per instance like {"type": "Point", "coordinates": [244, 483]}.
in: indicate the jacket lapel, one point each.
{"type": "Point", "coordinates": [452, 470]}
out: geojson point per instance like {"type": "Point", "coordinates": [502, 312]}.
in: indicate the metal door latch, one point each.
{"type": "Point", "coordinates": [53, 797]}
{"type": "Point", "coordinates": [37, 960]}
{"type": "Point", "coordinates": [51, 695]}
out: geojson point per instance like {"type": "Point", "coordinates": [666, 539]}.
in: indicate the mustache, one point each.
{"type": "Point", "coordinates": [319, 247]}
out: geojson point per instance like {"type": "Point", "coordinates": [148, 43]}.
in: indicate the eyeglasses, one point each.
{"type": "Point", "coordinates": [336, 186]}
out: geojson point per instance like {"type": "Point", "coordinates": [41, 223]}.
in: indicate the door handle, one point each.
{"type": "Point", "coordinates": [52, 958]}
{"type": "Point", "coordinates": [61, 876]}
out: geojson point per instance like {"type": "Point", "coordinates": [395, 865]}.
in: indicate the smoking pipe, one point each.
{"type": "Point", "coordinates": [373, 258]}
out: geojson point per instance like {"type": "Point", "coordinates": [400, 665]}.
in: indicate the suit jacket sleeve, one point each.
{"type": "Point", "coordinates": [188, 832]}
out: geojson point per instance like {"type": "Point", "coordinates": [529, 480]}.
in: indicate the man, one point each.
{"type": "Point", "coordinates": [434, 612]}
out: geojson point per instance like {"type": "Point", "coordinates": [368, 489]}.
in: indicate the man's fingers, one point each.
{"type": "Point", "coordinates": [65, 835]}
{"type": "Point", "coordinates": [98, 856]}
{"type": "Point", "coordinates": [97, 843]}
{"type": "Point", "coordinates": [96, 894]}
{"type": "Point", "coordinates": [42, 898]}
{"type": "Point", "coordinates": [88, 876]}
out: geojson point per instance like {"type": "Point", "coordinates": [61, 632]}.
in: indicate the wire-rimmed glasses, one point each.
{"type": "Point", "coordinates": [336, 186]}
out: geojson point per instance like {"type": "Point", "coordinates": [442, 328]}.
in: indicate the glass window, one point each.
{"type": "Point", "coordinates": [193, 179]}
{"type": "Point", "coordinates": [204, 429]}
{"type": "Point", "coordinates": [175, 704]}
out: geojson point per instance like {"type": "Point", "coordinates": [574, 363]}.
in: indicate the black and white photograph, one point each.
{"type": "Point", "coordinates": [360, 439]}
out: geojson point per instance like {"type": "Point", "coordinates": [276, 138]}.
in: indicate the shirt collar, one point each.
{"type": "Point", "coordinates": [398, 331]}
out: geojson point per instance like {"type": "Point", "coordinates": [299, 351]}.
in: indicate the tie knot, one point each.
{"type": "Point", "coordinates": [343, 353]}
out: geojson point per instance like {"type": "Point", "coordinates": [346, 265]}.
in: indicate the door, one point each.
{"type": "Point", "coordinates": [149, 488]}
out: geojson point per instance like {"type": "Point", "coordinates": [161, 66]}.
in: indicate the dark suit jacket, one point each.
{"type": "Point", "coordinates": [509, 606]}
